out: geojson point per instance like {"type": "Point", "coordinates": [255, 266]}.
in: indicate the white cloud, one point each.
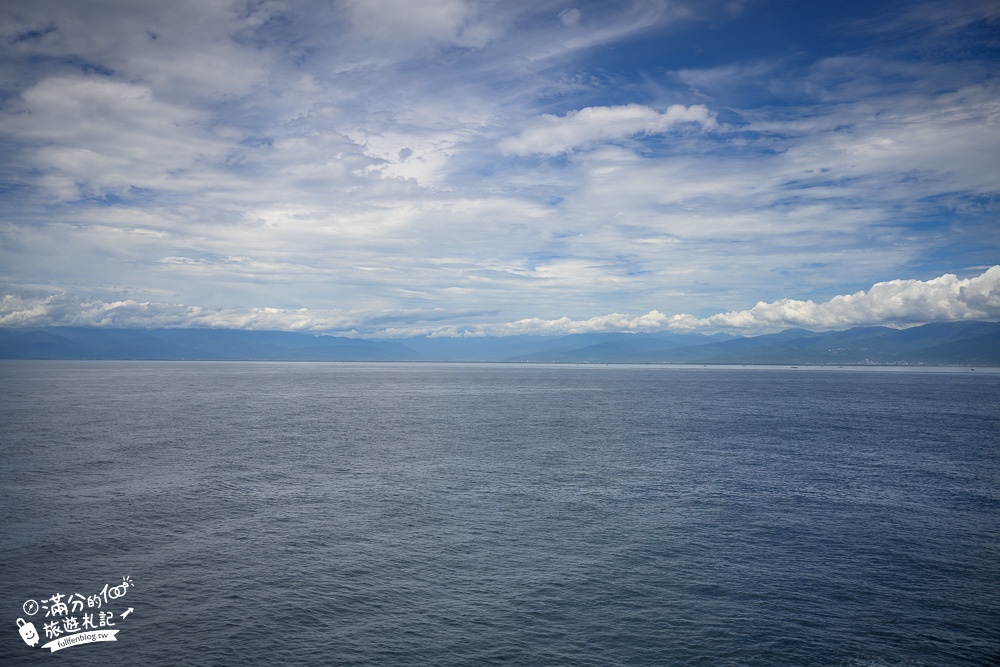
{"type": "Point", "coordinates": [570, 17]}
{"type": "Point", "coordinates": [553, 135]}
{"type": "Point", "coordinates": [186, 49]}
{"type": "Point", "coordinates": [402, 24]}
{"type": "Point", "coordinates": [615, 322]}
{"type": "Point", "coordinates": [90, 136]}
{"type": "Point", "coordinates": [896, 303]}
{"type": "Point", "coordinates": [70, 310]}
{"type": "Point", "coordinates": [368, 156]}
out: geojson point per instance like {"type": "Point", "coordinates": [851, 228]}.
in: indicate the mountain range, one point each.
{"type": "Point", "coordinates": [953, 343]}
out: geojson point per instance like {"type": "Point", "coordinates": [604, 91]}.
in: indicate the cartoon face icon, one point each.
{"type": "Point", "coordinates": [28, 632]}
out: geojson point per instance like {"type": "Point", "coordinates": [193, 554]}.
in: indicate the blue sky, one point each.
{"type": "Point", "coordinates": [454, 167]}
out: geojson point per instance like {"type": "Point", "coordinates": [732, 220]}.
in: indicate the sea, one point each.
{"type": "Point", "coordinates": [243, 513]}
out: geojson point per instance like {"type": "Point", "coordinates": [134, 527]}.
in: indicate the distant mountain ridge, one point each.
{"type": "Point", "coordinates": [953, 343]}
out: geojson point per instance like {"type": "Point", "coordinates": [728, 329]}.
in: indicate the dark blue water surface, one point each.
{"type": "Point", "coordinates": [426, 514]}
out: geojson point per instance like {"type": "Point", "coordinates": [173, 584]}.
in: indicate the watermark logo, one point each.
{"type": "Point", "coordinates": [28, 632]}
{"type": "Point", "coordinates": [76, 619]}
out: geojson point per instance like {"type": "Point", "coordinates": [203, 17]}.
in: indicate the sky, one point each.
{"type": "Point", "coordinates": [393, 168]}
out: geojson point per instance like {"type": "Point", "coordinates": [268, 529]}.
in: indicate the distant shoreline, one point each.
{"type": "Point", "coordinates": [953, 344]}
{"type": "Point", "coordinates": [929, 368]}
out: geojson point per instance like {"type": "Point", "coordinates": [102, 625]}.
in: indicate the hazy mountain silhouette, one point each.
{"type": "Point", "coordinates": [954, 343]}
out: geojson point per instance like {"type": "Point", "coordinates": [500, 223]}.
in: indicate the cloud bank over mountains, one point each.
{"type": "Point", "coordinates": [458, 166]}
{"type": "Point", "coordinates": [899, 303]}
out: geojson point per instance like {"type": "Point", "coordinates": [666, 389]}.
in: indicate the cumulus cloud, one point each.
{"type": "Point", "coordinates": [553, 135]}
{"type": "Point", "coordinates": [615, 322]}
{"type": "Point", "coordinates": [896, 303]}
